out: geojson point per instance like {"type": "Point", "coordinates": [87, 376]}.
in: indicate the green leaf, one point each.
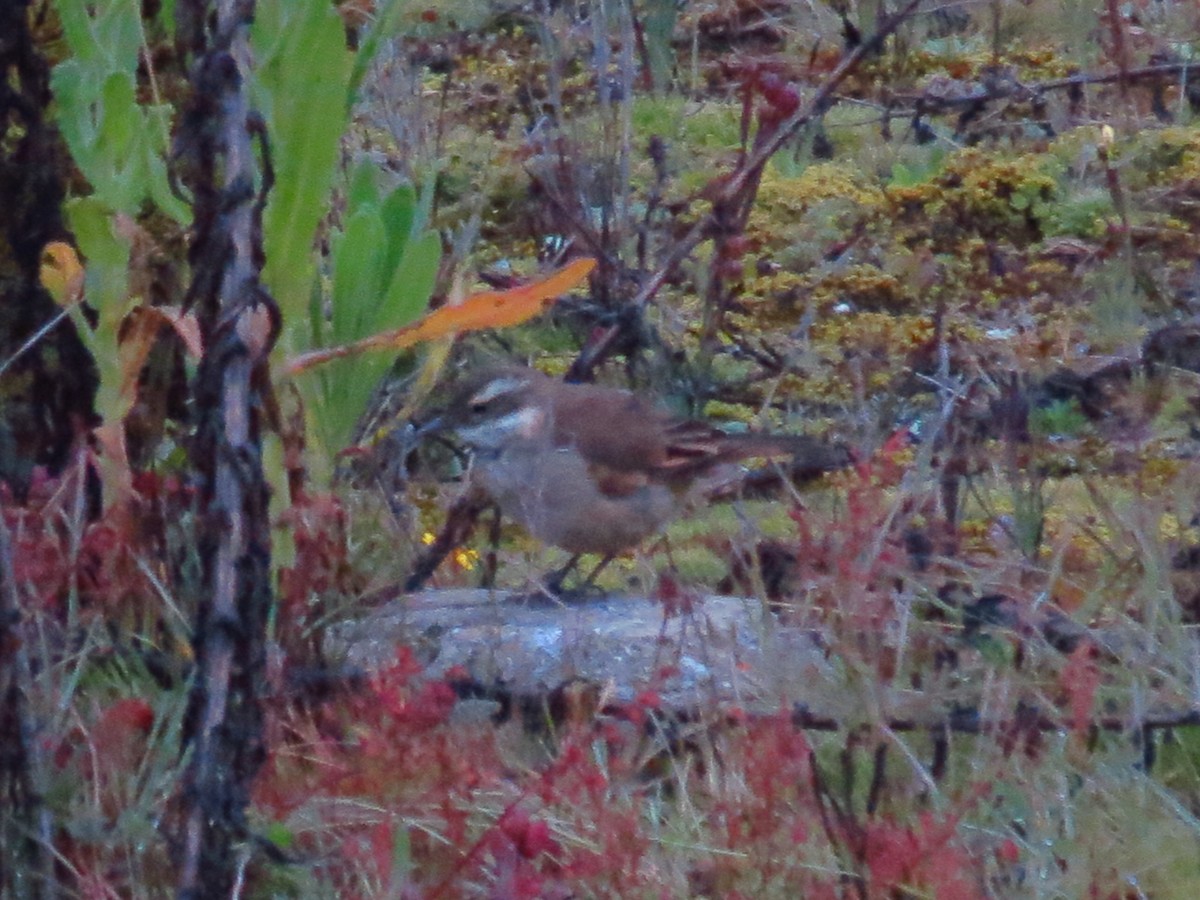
{"type": "Point", "coordinates": [77, 30]}
{"type": "Point", "coordinates": [412, 283]}
{"type": "Point", "coordinates": [118, 32]}
{"type": "Point", "coordinates": [119, 145]}
{"type": "Point", "coordinates": [157, 121]}
{"type": "Point", "coordinates": [358, 275]}
{"type": "Point", "coordinates": [364, 187]}
{"type": "Point", "coordinates": [659, 26]}
{"type": "Point", "coordinates": [120, 121]}
{"type": "Point", "coordinates": [75, 118]}
{"type": "Point", "coordinates": [91, 222]}
{"type": "Point", "coordinates": [301, 88]}
{"type": "Point", "coordinates": [280, 835]}
{"type": "Point", "coordinates": [107, 280]}
{"type": "Point", "coordinates": [104, 36]}
{"type": "Point", "coordinates": [338, 393]}
{"type": "Point", "coordinates": [399, 214]}
{"type": "Point", "coordinates": [166, 17]}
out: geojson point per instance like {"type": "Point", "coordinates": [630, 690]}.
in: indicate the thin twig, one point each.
{"type": "Point", "coordinates": [728, 190]}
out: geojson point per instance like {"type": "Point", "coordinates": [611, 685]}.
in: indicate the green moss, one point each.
{"type": "Point", "coordinates": [1063, 418]}
{"type": "Point", "coordinates": [694, 126]}
{"type": "Point", "coordinates": [1086, 214]}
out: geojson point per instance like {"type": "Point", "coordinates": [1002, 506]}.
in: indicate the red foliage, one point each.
{"type": "Point", "coordinates": [38, 547]}
{"type": "Point", "coordinates": [39, 560]}
{"type": "Point", "coordinates": [110, 748]}
{"type": "Point", "coordinates": [849, 568]}
{"type": "Point", "coordinates": [1078, 682]}
{"type": "Point", "coordinates": [109, 565]}
{"type": "Point", "coordinates": [322, 568]}
{"type": "Point", "coordinates": [108, 569]}
{"type": "Point", "coordinates": [675, 598]}
{"type": "Point", "coordinates": [100, 760]}
{"type": "Point", "coordinates": [770, 814]}
{"type": "Point", "coordinates": [924, 857]}
{"type": "Point", "coordinates": [520, 856]}
{"type": "Point", "coordinates": [782, 99]}
{"type": "Point", "coordinates": [531, 837]}
{"type": "Point", "coordinates": [390, 743]}
{"type": "Point", "coordinates": [1008, 852]}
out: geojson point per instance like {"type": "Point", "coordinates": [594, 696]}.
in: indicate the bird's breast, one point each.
{"type": "Point", "coordinates": [557, 497]}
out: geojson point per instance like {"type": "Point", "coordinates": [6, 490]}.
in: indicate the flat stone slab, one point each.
{"type": "Point", "coordinates": [714, 653]}
{"type": "Point", "coordinates": [723, 649]}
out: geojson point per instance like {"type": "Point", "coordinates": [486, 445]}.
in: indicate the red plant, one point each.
{"type": "Point", "coordinates": [850, 561]}
{"type": "Point", "coordinates": [114, 554]}
{"type": "Point", "coordinates": [764, 811]}
{"type": "Point", "coordinates": [322, 568]}
{"type": "Point", "coordinates": [924, 857]}
{"type": "Point", "coordinates": [1078, 682]}
{"type": "Point", "coordinates": [108, 750]}
{"type": "Point", "coordinates": [386, 741]}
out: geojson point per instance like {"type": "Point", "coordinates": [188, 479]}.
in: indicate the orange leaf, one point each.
{"type": "Point", "coordinates": [61, 273]}
{"type": "Point", "coordinates": [489, 309]}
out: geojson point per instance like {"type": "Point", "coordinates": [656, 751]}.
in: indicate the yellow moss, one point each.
{"type": "Point", "coordinates": [817, 183]}
{"type": "Point", "coordinates": [1045, 268]}
{"type": "Point", "coordinates": [991, 179]}
{"type": "Point", "coordinates": [1046, 61]}
{"type": "Point", "coordinates": [1159, 470]}
{"type": "Point", "coordinates": [862, 285]}
{"type": "Point", "coordinates": [977, 192]}
{"type": "Point", "coordinates": [780, 299]}
{"type": "Point", "coordinates": [781, 285]}
{"type": "Point", "coordinates": [921, 62]}
{"type": "Point", "coordinates": [908, 196]}
{"type": "Point", "coordinates": [875, 330]}
{"type": "Point", "coordinates": [799, 217]}
{"type": "Point", "coordinates": [771, 302]}
{"type": "Point", "coordinates": [879, 381]}
{"type": "Point", "coordinates": [820, 386]}
{"type": "Point", "coordinates": [1169, 155]}
{"type": "Point", "coordinates": [1172, 528]}
{"type": "Point", "coordinates": [729, 412]}
{"type": "Point", "coordinates": [1035, 63]}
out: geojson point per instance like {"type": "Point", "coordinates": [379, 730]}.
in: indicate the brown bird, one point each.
{"type": "Point", "coordinates": [586, 468]}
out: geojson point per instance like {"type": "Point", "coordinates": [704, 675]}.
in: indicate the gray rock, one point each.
{"type": "Point", "coordinates": [722, 649]}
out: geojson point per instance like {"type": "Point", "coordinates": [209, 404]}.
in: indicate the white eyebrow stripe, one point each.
{"type": "Point", "coordinates": [498, 387]}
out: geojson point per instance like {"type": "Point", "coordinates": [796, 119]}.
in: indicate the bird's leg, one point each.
{"type": "Point", "coordinates": [590, 581]}
{"type": "Point", "coordinates": [554, 581]}
{"type": "Point", "coordinates": [490, 563]}
{"type": "Point", "coordinates": [586, 589]}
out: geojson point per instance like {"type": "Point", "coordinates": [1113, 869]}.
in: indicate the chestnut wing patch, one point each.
{"type": "Point", "coordinates": [617, 483]}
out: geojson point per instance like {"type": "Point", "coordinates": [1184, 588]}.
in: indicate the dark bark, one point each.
{"type": "Point", "coordinates": [220, 159]}
{"type": "Point", "coordinates": [48, 384]}
{"type": "Point", "coordinates": [47, 388]}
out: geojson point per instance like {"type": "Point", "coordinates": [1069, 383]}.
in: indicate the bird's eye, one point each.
{"type": "Point", "coordinates": [478, 407]}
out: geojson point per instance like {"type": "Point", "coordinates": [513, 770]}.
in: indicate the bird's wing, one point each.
{"type": "Point", "coordinates": [612, 427]}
